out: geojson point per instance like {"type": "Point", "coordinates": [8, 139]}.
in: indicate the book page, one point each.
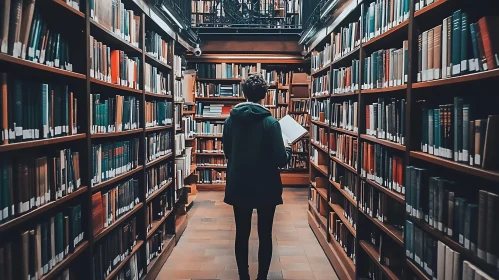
{"type": "Point", "coordinates": [292, 129]}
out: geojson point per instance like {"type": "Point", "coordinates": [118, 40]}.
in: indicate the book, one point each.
{"type": "Point", "coordinates": [386, 120]}
{"type": "Point", "coordinates": [111, 159]}
{"type": "Point", "coordinates": [114, 114]}
{"type": "Point", "coordinates": [225, 70]}
{"type": "Point", "coordinates": [156, 81]}
{"type": "Point", "coordinates": [159, 113]}
{"type": "Point", "coordinates": [386, 68]}
{"type": "Point", "coordinates": [113, 16]}
{"type": "Point", "coordinates": [381, 16]}
{"type": "Point", "coordinates": [158, 47]}
{"type": "Point", "coordinates": [319, 59]}
{"type": "Point", "coordinates": [321, 85]}
{"type": "Point", "coordinates": [43, 245]}
{"type": "Point", "coordinates": [291, 129]}
{"type": "Point", "coordinates": [113, 65]}
{"type": "Point", "coordinates": [112, 249]}
{"type": "Point", "coordinates": [346, 79]}
{"type": "Point", "coordinates": [158, 176]}
{"type": "Point", "coordinates": [382, 166]}
{"type": "Point", "coordinates": [158, 144]}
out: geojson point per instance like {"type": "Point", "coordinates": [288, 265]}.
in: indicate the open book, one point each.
{"type": "Point", "coordinates": [292, 129]}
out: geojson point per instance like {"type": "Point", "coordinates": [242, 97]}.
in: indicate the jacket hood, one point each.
{"type": "Point", "coordinates": [249, 111]}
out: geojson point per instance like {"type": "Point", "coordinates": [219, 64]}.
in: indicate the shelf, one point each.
{"type": "Point", "coordinates": [465, 253]}
{"type": "Point", "coordinates": [322, 69]}
{"type": "Point", "coordinates": [211, 118]}
{"type": "Point", "coordinates": [65, 262]}
{"type": "Point", "coordinates": [42, 209]}
{"type": "Point", "coordinates": [211, 187]}
{"type": "Point", "coordinates": [111, 38]}
{"type": "Point", "coordinates": [375, 257]}
{"type": "Point", "coordinates": [459, 79]}
{"type": "Point", "coordinates": [160, 190]}
{"type": "Point", "coordinates": [319, 147]}
{"type": "Point", "coordinates": [152, 60]}
{"type": "Point", "coordinates": [156, 128]}
{"type": "Point", "coordinates": [297, 112]}
{"type": "Point", "coordinates": [117, 269]}
{"type": "Point", "coordinates": [349, 54]}
{"type": "Point", "coordinates": [69, 8]}
{"type": "Point", "coordinates": [467, 169]}
{"type": "Point", "coordinates": [343, 192]}
{"type": "Point", "coordinates": [321, 96]}
{"type": "Point", "coordinates": [180, 226]}
{"type": "Point", "coordinates": [157, 224]}
{"type": "Point", "coordinates": [398, 197]}
{"type": "Point", "coordinates": [382, 36]}
{"type": "Point", "coordinates": [322, 192]}
{"type": "Point", "coordinates": [430, 7]}
{"type": "Point", "coordinates": [420, 275]}
{"type": "Point", "coordinates": [390, 230]}
{"type": "Point", "coordinates": [221, 98]}
{"type": "Point", "coordinates": [110, 85]}
{"type": "Point", "coordinates": [343, 265]}
{"type": "Point", "coordinates": [343, 164]}
{"type": "Point", "coordinates": [116, 134]}
{"type": "Point", "coordinates": [41, 142]}
{"type": "Point", "coordinates": [210, 154]}
{"type": "Point", "coordinates": [345, 94]}
{"type": "Point", "coordinates": [185, 112]}
{"type": "Point", "coordinates": [341, 214]}
{"type": "Point", "coordinates": [157, 263]}
{"type": "Point", "coordinates": [38, 66]}
{"type": "Point", "coordinates": [387, 89]}
{"type": "Point", "coordinates": [319, 123]}
{"type": "Point", "coordinates": [321, 168]}
{"type": "Point", "coordinates": [323, 220]}
{"type": "Point", "coordinates": [383, 142]}
{"type": "Point", "coordinates": [211, 167]}
{"type": "Point", "coordinates": [345, 131]}
{"type": "Point", "coordinates": [165, 96]}
{"type": "Point", "coordinates": [233, 80]}
{"type": "Point", "coordinates": [153, 162]}
{"type": "Point", "coordinates": [116, 179]}
{"type": "Point", "coordinates": [116, 223]}
{"type": "Point", "coordinates": [208, 136]}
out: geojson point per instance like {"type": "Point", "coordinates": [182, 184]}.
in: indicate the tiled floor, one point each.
{"type": "Point", "coordinates": [206, 249]}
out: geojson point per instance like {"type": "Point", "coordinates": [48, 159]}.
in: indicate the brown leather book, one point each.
{"type": "Point", "coordinates": [25, 255]}
{"type": "Point", "coordinates": [490, 153]}
{"type": "Point", "coordinates": [490, 39]}
{"type": "Point", "coordinates": [97, 213]}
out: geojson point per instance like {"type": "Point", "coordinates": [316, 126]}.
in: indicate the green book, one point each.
{"type": "Point", "coordinates": [436, 132]}
{"type": "Point", "coordinates": [59, 239]}
{"type": "Point", "coordinates": [464, 43]}
{"type": "Point", "coordinates": [456, 43]}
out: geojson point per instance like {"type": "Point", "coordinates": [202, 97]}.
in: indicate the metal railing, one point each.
{"type": "Point", "coordinates": [246, 14]}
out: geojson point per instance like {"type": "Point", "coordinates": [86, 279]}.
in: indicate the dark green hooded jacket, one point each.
{"type": "Point", "coordinates": [254, 148]}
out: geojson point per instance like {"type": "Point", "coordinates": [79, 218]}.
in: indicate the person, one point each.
{"type": "Point", "coordinates": [255, 149]}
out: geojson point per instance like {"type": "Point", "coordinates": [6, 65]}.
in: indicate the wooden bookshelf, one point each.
{"type": "Point", "coordinates": [469, 85]}
{"type": "Point", "coordinates": [375, 257]}
{"type": "Point", "coordinates": [42, 142]}
{"type": "Point", "coordinates": [81, 84]}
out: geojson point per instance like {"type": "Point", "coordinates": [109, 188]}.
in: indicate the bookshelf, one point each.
{"type": "Point", "coordinates": [94, 118]}
{"type": "Point", "coordinates": [383, 240]}
{"type": "Point", "coordinates": [218, 83]}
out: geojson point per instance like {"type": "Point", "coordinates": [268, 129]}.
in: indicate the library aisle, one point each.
{"type": "Point", "coordinates": [206, 249]}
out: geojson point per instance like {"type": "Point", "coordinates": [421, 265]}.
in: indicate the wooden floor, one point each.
{"type": "Point", "coordinates": [206, 249]}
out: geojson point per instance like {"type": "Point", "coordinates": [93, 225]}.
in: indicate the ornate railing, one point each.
{"type": "Point", "coordinates": [247, 14]}
{"type": "Point", "coordinates": [179, 12]}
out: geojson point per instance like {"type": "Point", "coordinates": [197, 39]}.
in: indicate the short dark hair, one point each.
{"type": "Point", "coordinates": [255, 87]}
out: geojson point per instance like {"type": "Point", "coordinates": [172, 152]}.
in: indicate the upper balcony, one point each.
{"type": "Point", "coordinates": [248, 16]}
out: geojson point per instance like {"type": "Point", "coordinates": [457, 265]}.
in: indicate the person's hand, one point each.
{"type": "Point", "coordinates": [286, 141]}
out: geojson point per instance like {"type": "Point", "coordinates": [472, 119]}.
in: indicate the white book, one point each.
{"type": "Point", "coordinates": [449, 264]}
{"type": "Point", "coordinates": [292, 129]}
{"type": "Point", "coordinates": [441, 261]}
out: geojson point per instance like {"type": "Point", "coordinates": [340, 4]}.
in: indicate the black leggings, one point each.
{"type": "Point", "coordinates": [243, 229]}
